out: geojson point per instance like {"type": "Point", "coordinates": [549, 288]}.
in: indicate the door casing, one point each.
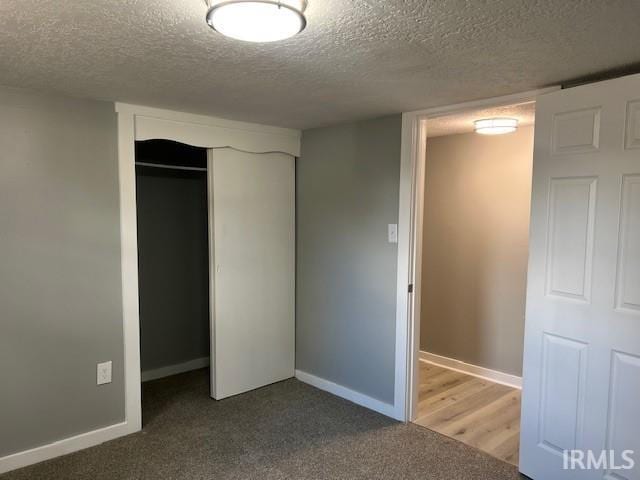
{"type": "Point", "coordinates": [137, 122]}
{"type": "Point", "coordinates": [410, 232]}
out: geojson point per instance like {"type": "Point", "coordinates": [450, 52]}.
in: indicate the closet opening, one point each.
{"type": "Point", "coordinates": [173, 269]}
{"type": "Point", "coordinates": [474, 252]}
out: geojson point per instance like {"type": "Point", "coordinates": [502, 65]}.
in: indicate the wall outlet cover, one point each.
{"type": "Point", "coordinates": [393, 233]}
{"type": "Point", "coordinates": [104, 373]}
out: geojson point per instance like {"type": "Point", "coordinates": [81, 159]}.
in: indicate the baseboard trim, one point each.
{"type": "Point", "coordinates": [358, 398]}
{"type": "Point", "coordinates": [474, 370]}
{"type": "Point", "coordinates": [169, 370]}
{"type": "Point", "coordinates": [64, 447]}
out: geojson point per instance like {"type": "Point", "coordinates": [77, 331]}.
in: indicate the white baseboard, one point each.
{"type": "Point", "coordinates": [348, 394]}
{"type": "Point", "coordinates": [474, 370]}
{"type": "Point", "coordinates": [175, 369]}
{"type": "Point", "coordinates": [64, 447]}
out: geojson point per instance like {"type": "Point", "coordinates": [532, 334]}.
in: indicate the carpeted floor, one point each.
{"type": "Point", "coordinates": [285, 431]}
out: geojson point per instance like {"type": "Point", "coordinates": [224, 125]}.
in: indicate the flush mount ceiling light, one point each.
{"type": "Point", "coordinates": [257, 20]}
{"type": "Point", "coordinates": [496, 126]}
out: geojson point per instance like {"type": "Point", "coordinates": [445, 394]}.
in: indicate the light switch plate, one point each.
{"type": "Point", "coordinates": [104, 373]}
{"type": "Point", "coordinates": [393, 233]}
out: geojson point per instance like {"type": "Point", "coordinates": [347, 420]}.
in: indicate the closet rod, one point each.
{"type": "Point", "coordinates": [171, 167]}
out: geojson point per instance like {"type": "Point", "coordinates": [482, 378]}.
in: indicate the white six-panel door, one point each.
{"type": "Point", "coordinates": [253, 288]}
{"type": "Point", "coordinates": [582, 339]}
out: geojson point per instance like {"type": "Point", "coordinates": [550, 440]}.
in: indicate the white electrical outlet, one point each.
{"type": "Point", "coordinates": [104, 373]}
{"type": "Point", "coordinates": [393, 233]}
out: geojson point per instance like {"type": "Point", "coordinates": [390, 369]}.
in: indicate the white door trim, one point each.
{"type": "Point", "coordinates": [143, 123]}
{"type": "Point", "coordinates": [129, 266]}
{"type": "Point", "coordinates": [209, 132]}
{"type": "Point", "coordinates": [414, 137]}
{"type": "Point", "coordinates": [212, 277]}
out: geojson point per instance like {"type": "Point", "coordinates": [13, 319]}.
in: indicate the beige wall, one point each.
{"type": "Point", "coordinates": [477, 202]}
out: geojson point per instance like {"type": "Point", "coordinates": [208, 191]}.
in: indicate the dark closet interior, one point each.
{"type": "Point", "coordinates": [173, 253]}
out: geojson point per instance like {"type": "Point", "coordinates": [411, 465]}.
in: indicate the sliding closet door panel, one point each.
{"type": "Point", "coordinates": [254, 228]}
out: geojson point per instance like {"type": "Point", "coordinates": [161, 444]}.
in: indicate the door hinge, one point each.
{"type": "Point", "coordinates": [411, 288]}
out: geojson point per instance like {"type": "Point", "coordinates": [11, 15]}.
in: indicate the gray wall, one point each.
{"type": "Point", "coordinates": [476, 224]}
{"type": "Point", "coordinates": [173, 263]}
{"type": "Point", "coordinates": [347, 192]}
{"type": "Point", "coordinates": [60, 294]}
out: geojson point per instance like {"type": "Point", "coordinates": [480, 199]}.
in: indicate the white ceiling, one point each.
{"type": "Point", "coordinates": [463, 122]}
{"type": "Point", "coordinates": [356, 59]}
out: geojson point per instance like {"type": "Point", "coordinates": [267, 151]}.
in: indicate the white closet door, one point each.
{"type": "Point", "coordinates": [253, 334]}
{"type": "Point", "coordinates": [582, 339]}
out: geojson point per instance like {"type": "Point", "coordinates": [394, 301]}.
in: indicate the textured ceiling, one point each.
{"type": "Point", "coordinates": [356, 59]}
{"type": "Point", "coordinates": [463, 122]}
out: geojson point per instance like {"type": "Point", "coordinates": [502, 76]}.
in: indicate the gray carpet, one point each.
{"type": "Point", "coordinates": [285, 431]}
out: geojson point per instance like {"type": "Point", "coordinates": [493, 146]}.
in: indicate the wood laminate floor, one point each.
{"type": "Point", "coordinates": [478, 412]}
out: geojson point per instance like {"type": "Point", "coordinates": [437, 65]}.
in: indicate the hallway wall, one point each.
{"type": "Point", "coordinates": [475, 248]}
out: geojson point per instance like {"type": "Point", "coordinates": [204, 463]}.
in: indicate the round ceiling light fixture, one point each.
{"type": "Point", "coordinates": [496, 126]}
{"type": "Point", "coordinates": [257, 20]}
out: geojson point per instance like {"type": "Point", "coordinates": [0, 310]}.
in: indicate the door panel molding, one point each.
{"type": "Point", "coordinates": [562, 393]}
{"type": "Point", "coordinates": [632, 131]}
{"type": "Point", "coordinates": [571, 220]}
{"type": "Point", "coordinates": [623, 423]}
{"type": "Point", "coordinates": [628, 278]}
{"type": "Point", "coordinates": [576, 131]}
